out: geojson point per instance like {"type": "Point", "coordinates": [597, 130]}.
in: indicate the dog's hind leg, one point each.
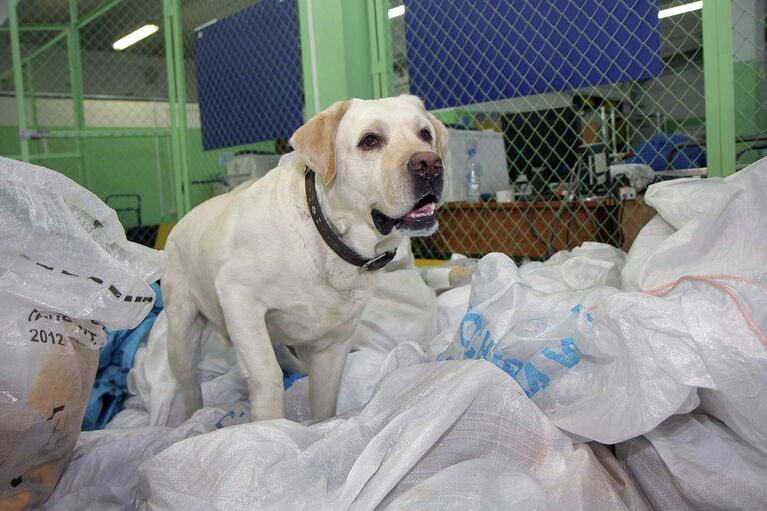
{"type": "Point", "coordinates": [185, 325]}
{"type": "Point", "coordinates": [184, 345]}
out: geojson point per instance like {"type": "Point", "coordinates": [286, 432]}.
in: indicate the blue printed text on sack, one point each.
{"type": "Point", "coordinates": [533, 375]}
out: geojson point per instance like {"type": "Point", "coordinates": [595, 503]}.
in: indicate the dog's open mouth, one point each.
{"type": "Point", "coordinates": [423, 216]}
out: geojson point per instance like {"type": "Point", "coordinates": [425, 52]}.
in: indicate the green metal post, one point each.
{"type": "Point", "coordinates": [32, 94]}
{"type": "Point", "coordinates": [335, 50]}
{"type": "Point", "coordinates": [380, 48]}
{"type": "Point", "coordinates": [308, 58]}
{"type": "Point", "coordinates": [719, 87]}
{"type": "Point", "coordinates": [18, 77]}
{"type": "Point", "coordinates": [183, 132]}
{"type": "Point", "coordinates": [179, 185]}
{"type": "Point", "coordinates": [76, 81]}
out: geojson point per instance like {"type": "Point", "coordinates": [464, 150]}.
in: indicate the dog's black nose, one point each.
{"type": "Point", "coordinates": [426, 163]}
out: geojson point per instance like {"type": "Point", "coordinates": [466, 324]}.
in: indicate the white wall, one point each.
{"type": "Point", "coordinates": [99, 113]}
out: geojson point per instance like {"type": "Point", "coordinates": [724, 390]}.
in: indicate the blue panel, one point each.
{"type": "Point", "coordinates": [471, 51]}
{"type": "Point", "coordinates": [249, 75]}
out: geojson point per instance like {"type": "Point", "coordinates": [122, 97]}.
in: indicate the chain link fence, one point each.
{"type": "Point", "coordinates": [94, 113]}
{"type": "Point", "coordinates": [561, 98]}
{"type": "Point", "coordinates": [557, 97]}
{"type": "Point", "coordinates": [749, 41]}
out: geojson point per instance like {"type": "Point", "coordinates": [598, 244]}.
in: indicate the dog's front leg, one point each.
{"type": "Point", "coordinates": [246, 325]}
{"type": "Point", "coordinates": [326, 367]}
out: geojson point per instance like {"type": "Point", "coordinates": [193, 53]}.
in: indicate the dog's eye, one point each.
{"type": "Point", "coordinates": [425, 135]}
{"type": "Point", "coordinates": [369, 141]}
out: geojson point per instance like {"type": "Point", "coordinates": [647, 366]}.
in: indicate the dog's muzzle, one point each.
{"type": "Point", "coordinates": [426, 173]}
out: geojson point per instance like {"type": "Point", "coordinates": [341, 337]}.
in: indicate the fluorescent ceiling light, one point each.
{"type": "Point", "coordinates": [134, 37]}
{"type": "Point", "coordinates": [680, 9]}
{"type": "Point", "coordinates": [396, 11]}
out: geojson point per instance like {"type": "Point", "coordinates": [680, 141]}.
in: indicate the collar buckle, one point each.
{"type": "Point", "coordinates": [377, 262]}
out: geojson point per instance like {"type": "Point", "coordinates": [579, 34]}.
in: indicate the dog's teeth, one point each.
{"type": "Point", "coordinates": [421, 212]}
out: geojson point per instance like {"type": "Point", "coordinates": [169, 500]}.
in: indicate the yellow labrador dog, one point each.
{"type": "Point", "coordinates": [289, 260]}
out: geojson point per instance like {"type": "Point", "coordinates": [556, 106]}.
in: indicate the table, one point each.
{"type": "Point", "coordinates": [534, 229]}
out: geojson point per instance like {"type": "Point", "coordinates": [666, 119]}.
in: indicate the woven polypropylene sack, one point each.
{"type": "Point", "coordinates": [66, 271]}
{"type": "Point", "coordinates": [427, 426]}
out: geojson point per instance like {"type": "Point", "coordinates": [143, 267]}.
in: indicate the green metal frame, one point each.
{"type": "Point", "coordinates": [37, 52]}
{"type": "Point", "coordinates": [18, 76]}
{"type": "Point", "coordinates": [718, 75]}
{"type": "Point", "coordinates": [97, 12]}
{"type": "Point", "coordinates": [43, 157]}
{"type": "Point", "coordinates": [23, 69]}
{"type": "Point", "coordinates": [336, 51]}
{"type": "Point", "coordinates": [348, 54]}
{"type": "Point", "coordinates": [32, 96]}
{"type": "Point", "coordinates": [37, 28]}
{"type": "Point", "coordinates": [76, 81]}
{"type": "Point", "coordinates": [380, 48]}
{"type": "Point", "coordinates": [174, 61]}
{"type": "Point", "coordinates": [108, 133]}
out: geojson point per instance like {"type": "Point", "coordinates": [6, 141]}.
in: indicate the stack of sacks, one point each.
{"type": "Point", "coordinates": [436, 436]}
{"type": "Point", "coordinates": [707, 251]}
{"type": "Point", "coordinates": [66, 272]}
{"type": "Point", "coordinates": [682, 364]}
{"type": "Point", "coordinates": [671, 369]}
{"type": "Point", "coordinates": [393, 332]}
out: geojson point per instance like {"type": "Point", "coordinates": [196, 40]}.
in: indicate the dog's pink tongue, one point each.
{"type": "Point", "coordinates": [426, 210]}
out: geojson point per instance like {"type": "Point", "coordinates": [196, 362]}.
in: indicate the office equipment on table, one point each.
{"type": "Point", "coordinates": [542, 144]}
{"type": "Point", "coordinates": [491, 157]}
{"type": "Point", "coordinates": [247, 165]}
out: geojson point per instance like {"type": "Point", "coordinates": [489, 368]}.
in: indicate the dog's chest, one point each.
{"type": "Point", "coordinates": [320, 313]}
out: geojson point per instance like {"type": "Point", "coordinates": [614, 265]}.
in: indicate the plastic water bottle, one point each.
{"type": "Point", "coordinates": [472, 175]}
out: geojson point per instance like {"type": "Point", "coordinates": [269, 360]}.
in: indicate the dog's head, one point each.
{"type": "Point", "coordinates": [382, 159]}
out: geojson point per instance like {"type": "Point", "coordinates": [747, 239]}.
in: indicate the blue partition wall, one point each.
{"type": "Point", "coordinates": [524, 47]}
{"type": "Point", "coordinates": [249, 75]}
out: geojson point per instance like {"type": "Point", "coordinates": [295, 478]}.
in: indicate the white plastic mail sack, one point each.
{"type": "Point", "coordinates": [103, 473]}
{"type": "Point", "coordinates": [402, 308]}
{"type": "Point", "coordinates": [694, 462]}
{"type": "Point", "coordinates": [157, 396]}
{"type": "Point", "coordinates": [619, 368]}
{"type": "Point", "coordinates": [66, 271]}
{"type": "Point", "coordinates": [587, 385]}
{"type": "Point", "coordinates": [704, 227]}
{"type": "Point", "coordinates": [618, 371]}
{"type": "Point", "coordinates": [447, 436]}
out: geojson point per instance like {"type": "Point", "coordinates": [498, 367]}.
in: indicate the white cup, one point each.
{"type": "Point", "coordinates": [502, 196]}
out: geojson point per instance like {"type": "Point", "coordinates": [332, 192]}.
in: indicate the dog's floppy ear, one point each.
{"type": "Point", "coordinates": [314, 141]}
{"type": "Point", "coordinates": [440, 132]}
